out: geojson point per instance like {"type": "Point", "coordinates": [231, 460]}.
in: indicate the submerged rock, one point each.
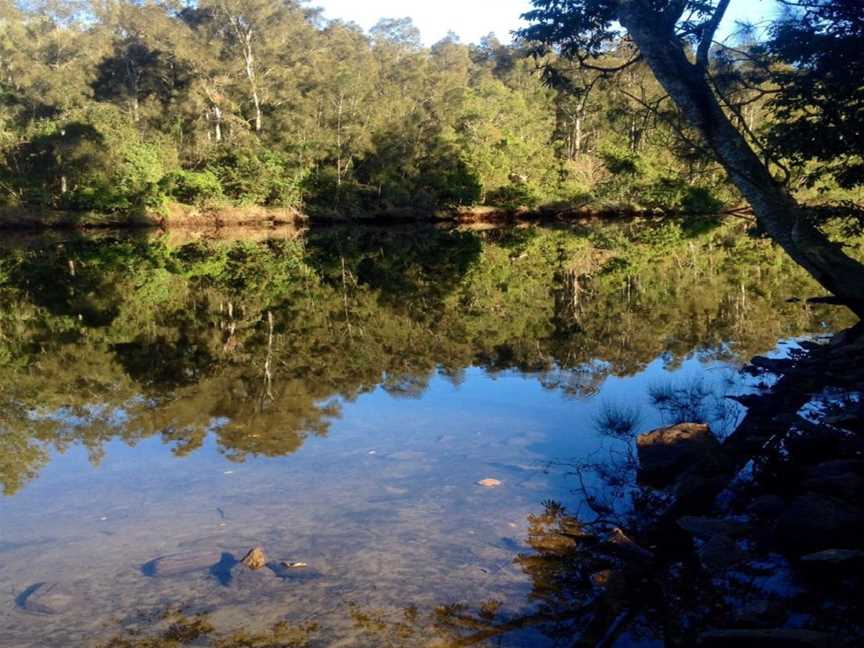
{"type": "Point", "coordinates": [255, 559]}
{"type": "Point", "coordinates": [49, 598]}
{"type": "Point", "coordinates": [183, 563]}
{"type": "Point", "coordinates": [664, 454]}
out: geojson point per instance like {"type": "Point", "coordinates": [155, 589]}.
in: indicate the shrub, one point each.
{"type": "Point", "coordinates": [514, 196]}
{"type": "Point", "coordinates": [256, 177]}
{"type": "Point", "coordinates": [192, 187]}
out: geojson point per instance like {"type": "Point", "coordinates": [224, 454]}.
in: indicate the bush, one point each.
{"type": "Point", "coordinates": [256, 177]}
{"type": "Point", "coordinates": [677, 194]}
{"type": "Point", "coordinates": [449, 181]}
{"type": "Point", "coordinates": [192, 187]}
{"type": "Point", "coordinates": [514, 196]}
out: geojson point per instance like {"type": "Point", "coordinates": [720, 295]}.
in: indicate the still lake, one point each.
{"type": "Point", "coordinates": [335, 396]}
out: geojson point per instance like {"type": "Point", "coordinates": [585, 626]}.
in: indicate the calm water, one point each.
{"type": "Point", "coordinates": [335, 397]}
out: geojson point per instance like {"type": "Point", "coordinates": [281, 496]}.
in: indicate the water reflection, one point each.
{"type": "Point", "coordinates": [337, 395]}
{"type": "Point", "coordinates": [259, 342]}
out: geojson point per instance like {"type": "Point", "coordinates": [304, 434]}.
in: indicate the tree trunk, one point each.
{"type": "Point", "coordinates": [217, 126]}
{"type": "Point", "coordinates": [789, 224]}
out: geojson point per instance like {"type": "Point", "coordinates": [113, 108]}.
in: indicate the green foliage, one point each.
{"type": "Point", "coordinates": [515, 195]}
{"type": "Point", "coordinates": [192, 187]}
{"type": "Point", "coordinates": [140, 104]}
{"type": "Point", "coordinates": [820, 112]}
{"type": "Point", "coordinates": [256, 176]}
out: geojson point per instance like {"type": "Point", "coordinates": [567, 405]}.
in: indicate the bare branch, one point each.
{"type": "Point", "coordinates": [583, 62]}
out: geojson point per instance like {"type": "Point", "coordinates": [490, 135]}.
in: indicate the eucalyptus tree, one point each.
{"type": "Point", "coordinates": [675, 38]}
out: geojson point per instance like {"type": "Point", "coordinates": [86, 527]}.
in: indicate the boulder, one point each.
{"type": "Point", "coordinates": [664, 454]}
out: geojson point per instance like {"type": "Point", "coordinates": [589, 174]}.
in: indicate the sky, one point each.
{"type": "Point", "coordinates": [473, 19]}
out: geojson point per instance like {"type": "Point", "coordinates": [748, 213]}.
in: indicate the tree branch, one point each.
{"type": "Point", "coordinates": [708, 31]}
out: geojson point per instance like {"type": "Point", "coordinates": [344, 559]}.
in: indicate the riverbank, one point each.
{"type": "Point", "coordinates": [758, 538]}
{"type": "Point", "coordinates": [178, 216]}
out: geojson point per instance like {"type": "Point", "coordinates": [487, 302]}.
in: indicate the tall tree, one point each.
{"type": "Point", "coordinates": [675, 38]}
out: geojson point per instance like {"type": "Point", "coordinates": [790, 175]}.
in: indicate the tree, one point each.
{"type": "Point", "coordinates": [821, 108]}
{"type": "Point", "coordinates": [675, 38]}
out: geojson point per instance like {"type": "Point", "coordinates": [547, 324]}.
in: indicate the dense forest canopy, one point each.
{"type": "Point", "coordinates": [115, 105]}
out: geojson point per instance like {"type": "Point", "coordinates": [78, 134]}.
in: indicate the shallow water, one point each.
{"type": "Point", "coordinates": [335, 398]}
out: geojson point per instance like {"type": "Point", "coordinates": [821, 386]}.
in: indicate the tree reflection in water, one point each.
{"type": "Point", "coordinates": [258, 343]}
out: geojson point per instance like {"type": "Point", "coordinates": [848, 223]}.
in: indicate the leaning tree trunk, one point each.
{"type": "Point", "coordinates": [789, 224]}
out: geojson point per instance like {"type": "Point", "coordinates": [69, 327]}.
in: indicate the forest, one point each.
{"type": "Point", "coordinates": [118, 106]}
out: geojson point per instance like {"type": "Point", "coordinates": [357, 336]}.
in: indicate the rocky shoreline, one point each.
{"type": "Point", "coordinates": [756, 540]}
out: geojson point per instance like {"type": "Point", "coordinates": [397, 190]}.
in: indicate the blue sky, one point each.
{"type": "Point", "coordinates": [472, 19]}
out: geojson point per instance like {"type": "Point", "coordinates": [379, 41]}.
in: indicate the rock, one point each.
{"type": "Point", "coordinates": [705, 528]}
{"type": "Point", "coordinates": [835, 558]}
{"type": "Point", "coordinates": [719, 552]}
{"type": "Point", "coordinates": [848, 486]}
{"type": "Point", "coordinates": [49, 598]}
{"type": "Point", "coordinates": [622, 545]}
{"type": "Point", "coordinates": [664, 454]}
{"type": "Point", "coordinates": [853, 422]}
{"type": "Point", "coordinates": [779, 637]}
{"type": "Point", "coordinates": [811, 521]}
{"type": "Point", "coordinates": [759, 613]}
{"type": "Point", "coordinates": [288, 564]}
{"type": "Point", "coordinates": [489, 483]}
{"type": "Point", "coordinates": [835, 468]}
{"type": "Point", "coordinates": [294, 570]}
{"type": "Point", "coordinates": [183, 563]}
{"type": "Point", "coordinates": [255, 559]}
{"type": "Point", "coordinates": [766, 506]}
